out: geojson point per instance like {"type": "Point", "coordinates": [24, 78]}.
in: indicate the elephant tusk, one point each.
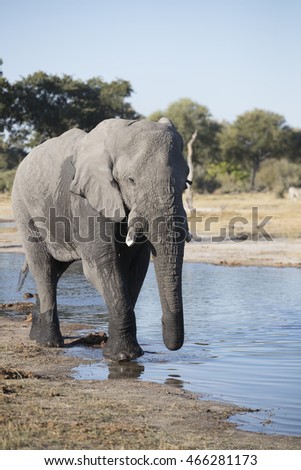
{"type": "Point", "coordinates": [131, 237]}
{"type": "Point", "coordinates": [129, 242]}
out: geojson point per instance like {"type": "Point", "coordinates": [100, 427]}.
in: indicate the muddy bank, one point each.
{"type": "Point", "coordinates": [43, 407]}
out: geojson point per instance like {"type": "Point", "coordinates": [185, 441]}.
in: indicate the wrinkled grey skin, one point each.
{"type": "Point", "coordinates": [119, 171]}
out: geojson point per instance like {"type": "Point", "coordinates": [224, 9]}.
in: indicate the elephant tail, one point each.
{"type": "Point", "coordinates": [22, 276]}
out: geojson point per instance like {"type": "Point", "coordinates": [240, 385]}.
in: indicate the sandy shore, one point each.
{"type": "Point", "coordinates": [277, 253]}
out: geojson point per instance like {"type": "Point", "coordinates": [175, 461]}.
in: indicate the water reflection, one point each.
{"type": "Point", "coordinates": [130, 370]}
{"type": "Point", "coordinates": [171, 380]}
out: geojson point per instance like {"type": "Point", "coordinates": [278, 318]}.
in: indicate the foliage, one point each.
{"type": "Point", "coordinates": [188, 116]}
{"type": "Point", "coordinates": [293, 144]}
{"type": "Point", "coordinates": [227, 177]}
{"type": "Point", "coordinates": [252, 138]}
{"type": "Point", "coordinates": [6, 102]}
{"type": "Point", "coordinates": [278, 176]}
{"type": "Point", "coordinates": [42, 106]}
{"type": "Point", "coordinates": [228, 157]}
{"type": "Point", "coordinates": [258, 150]}
{"type": "Point", "coordinates": [6, 180]}
{"type": "Point", "coordinates": [10, 155]}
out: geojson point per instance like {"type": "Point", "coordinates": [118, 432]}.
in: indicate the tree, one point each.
{"type": "Point", "coordinates": [254, 136]}
{"type": "Point", "coordinates": [189, 116]}
{"type": "Point", "coordinates": [293, 142]}
{"type": "Point", "coordinates": [42, 106]}
{"type": "Point", "coordinates": [6, 100]}
{"type": "Point", "coordinates": [10, 156]}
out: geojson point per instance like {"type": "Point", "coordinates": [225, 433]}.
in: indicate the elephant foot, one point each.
{"type": "Point", "coordinates": [46, 331]}
{"type": "Point", "coordinates": [122, 350]}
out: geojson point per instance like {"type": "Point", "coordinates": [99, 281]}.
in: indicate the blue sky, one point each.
{"type": "Point", "coordinates": [230, 55]}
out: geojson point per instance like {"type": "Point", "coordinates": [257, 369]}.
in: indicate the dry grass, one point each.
{"type": "Point", "coordinates": [285, 215]}
{"type": "Point", "coordinates": [284, 222]}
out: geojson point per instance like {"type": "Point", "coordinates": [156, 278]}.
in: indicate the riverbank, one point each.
{"type": "Point", "coordinates": [45, 408]}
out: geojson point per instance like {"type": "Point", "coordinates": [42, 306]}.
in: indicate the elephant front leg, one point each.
{"type": "Point", "coordinates": [122, 344]}
{"type": "Point", "coordinates": [133, 264]}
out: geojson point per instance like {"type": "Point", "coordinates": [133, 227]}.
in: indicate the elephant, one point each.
{"type": "Point", "coordinates": [111, 198]}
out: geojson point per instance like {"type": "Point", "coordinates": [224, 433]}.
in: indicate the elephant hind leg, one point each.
{"type": "Point", "coordinates": [46, 272]}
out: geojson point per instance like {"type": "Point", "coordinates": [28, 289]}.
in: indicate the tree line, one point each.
{"type": "Point", "coordinates": [257, 151]}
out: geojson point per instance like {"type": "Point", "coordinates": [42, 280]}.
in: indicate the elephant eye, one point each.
{"type": "Point", "coordinates": [131, 181]}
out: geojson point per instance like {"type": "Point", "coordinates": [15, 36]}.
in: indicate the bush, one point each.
{"type": "Point", "coordinates": [225, 177]}
{"type": "Point", "coordinates": [6, 180]}
{"type": "Point", "coordinates": [229, 183]}
{"type": "Point", "coordinates": [278, 176]}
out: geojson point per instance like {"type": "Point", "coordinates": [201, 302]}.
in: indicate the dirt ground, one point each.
{"type": "Point", "coordinates": [43, 407]}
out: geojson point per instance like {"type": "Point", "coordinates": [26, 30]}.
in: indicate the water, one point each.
{"type": "Point", "coordinates": [242, 337]}
{"type": "Point", "coordinates": [8, 224]}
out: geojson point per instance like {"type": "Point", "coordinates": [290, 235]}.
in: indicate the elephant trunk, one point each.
{"type": "Point", "coordinates": [167, 235]}
{"type": "Point", "coordinates": [168, 255]}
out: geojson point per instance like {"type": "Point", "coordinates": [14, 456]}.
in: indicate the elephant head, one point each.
{"type": "Point", "coordinates": [136, 169]}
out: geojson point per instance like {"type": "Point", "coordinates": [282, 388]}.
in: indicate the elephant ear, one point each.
{"type": "Point", "coordinates": [169, 123]}
{"type": "Point", "coordinates": [165, 120]}
{"type": "Point", "coordinates": [93, 177]}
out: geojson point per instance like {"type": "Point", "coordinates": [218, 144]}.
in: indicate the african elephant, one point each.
{"type": "Point", "coordinates": [109, 197]}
